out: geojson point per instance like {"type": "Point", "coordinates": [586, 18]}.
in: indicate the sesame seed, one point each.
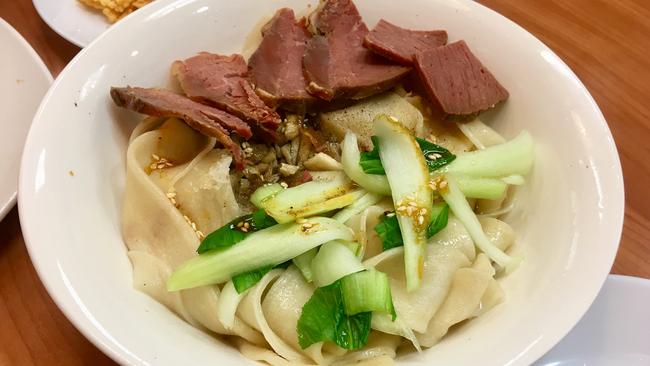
{"type": "Point", "coordinates": [244, 229]}
{"type": "Point", "coordinates": [423, 211]}
{"type": "Point", "coordinates": [413, 204]}
{"type": "Point", "coordinates": [443, 184]}
{"type": "Point", "coordinates": [390, 214]}
{"type": "Point", "coordinates": [200, 234]}
{"type": "Point", "coordinates": [432, 157]}
{"type": "Point", "coordinates": [420, 219]}
{"type": "Point", "coordinates": [194, 226]}
{"type": "Point", "coordinates": [171, 194]}
{"type": "Point", "coordinates": [284, 185]}
{"type": "Point", "coordinates": [240, 224]}
{"type": "Point", "coordinates": [409, 210]}
{"type": "Point", "coordinates": [247, 225]}
{"type": "Point", "coordinates": [392, 119]}
{"type": "Point", "coordinates": [155, 157]}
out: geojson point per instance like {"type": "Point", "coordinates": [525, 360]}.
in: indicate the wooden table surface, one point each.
{"type": "Point", "coordinates": [605, 42]}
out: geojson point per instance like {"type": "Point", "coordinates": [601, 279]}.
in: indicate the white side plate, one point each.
{"type": "Point", "coordinates": [72, 20]}
{"type": "Point", "coordinates": [24, 79]}
{"type": "Point", "coordinates": [615, 330]}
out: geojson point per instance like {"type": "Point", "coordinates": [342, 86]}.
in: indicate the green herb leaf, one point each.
{"type": "Point", "coordinates": [370, 162]}
{"type": "Point", "coordinates": [248, 279]}
{"type": "Point", "coordinates": [388, 231]}
{"type": "Point", "coordinates": [436, 156]}
{"type": "Point", "coordinates": [261, 220]}
{"type": "Point", "coordinates": [232, 233]}
{"type": "Point", "coordinates": [388, 228]}
{"type": "Point", "coordinates": [323, 318]}
{"type": "Point", "coordinates": [439, 218]}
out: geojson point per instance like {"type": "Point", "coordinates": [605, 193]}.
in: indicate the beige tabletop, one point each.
{"type": "Point", "coordinates": [606, 43]}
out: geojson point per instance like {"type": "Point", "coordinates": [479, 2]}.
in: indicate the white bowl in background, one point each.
{"type": "Point", "coordinates": [24, 79]}
{"type": "Point", "coordinates": [568, 221]}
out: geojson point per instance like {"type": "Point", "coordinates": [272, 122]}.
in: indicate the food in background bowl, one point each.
{"type": "Point", "coordinates": [115, 10]}
{"type": "Point", "coordinates": [309, 250]}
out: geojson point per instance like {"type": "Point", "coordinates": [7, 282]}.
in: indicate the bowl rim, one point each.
{"type": "Point", "coordinates": [108, 346]}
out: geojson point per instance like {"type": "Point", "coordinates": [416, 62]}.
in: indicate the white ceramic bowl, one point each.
{"type": "Point", "coordinates": [568, 220]}
{"type": "Point", "coordinates": [24, 79]}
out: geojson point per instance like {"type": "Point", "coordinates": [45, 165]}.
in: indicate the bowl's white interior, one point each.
{"type": "Point", "coordinates": [568, 219]}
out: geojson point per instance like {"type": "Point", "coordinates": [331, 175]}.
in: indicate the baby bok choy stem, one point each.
{"type": "Point", "coordinates": [331, 191]}
{"type": "Point", "coordinates": [357, 207]}
{"type": "Point", "coordinates": [333, 261]}
{"type": "Point", "coordinates": [457, 202]}
{"type": "Point", "coordinates": [408, 176]}
{"type": "Point", "coordinates": [271, 246]}
{"type": "Point", "coordinates": [514, 157]}
{"type": "Point", "coordinates": [350, 157]}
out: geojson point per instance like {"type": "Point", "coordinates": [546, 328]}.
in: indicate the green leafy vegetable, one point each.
{"type": "Point", "coordinates": [323, 318]}
{"type": "Point", "coordinates": [439, 218]}
{"type": "Point", "coordinates": [334, 261]}
{"type": "Point", "coordinates": [270, 246]}
{"type": "Point", "coordinates": [370, 162]}
{"type": "Point", "coordinates": [303, 262]}
{"type": "Point", "coordinates": [388, 227]}
{"type": "Point", "coordinates": [388, 231]}
{"type": "Point", "coordinates": [435, 155]}
{"type": "Point", "coordinates": [367, 291]}
{"type": "Point", "coordinates": [246, 280]}
{"type": "Point", "coordinates": [235, 231]}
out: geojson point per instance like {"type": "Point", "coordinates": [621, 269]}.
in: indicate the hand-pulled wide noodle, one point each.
{"type": "Point", "coordinates": [156, 232]}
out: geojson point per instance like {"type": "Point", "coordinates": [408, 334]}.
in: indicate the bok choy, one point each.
{"type": "Point", "coordinates": [462, 210]}
{"type": "Point", "coordinates": [331, 191]}
{"type": "Point", "coordinates": [350, 158]}
{"type": "Point", "coordinates": [271, 246]}
{"type": "Point", "coordinates": [408, 176]}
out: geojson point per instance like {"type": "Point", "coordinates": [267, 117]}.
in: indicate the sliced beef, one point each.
{"type": "Point", "coordinates": [457, 81]}
{"type": "Point", "coordinates": [401, 45]}
{"type": "Point", "coordinates": [222, 81]}
{"type": "Point", "coordinates": [336, 64]}
{"type": "Point", "coordinates": [276, 66]}
{"type": "Point", "coordinates": [205, 119]}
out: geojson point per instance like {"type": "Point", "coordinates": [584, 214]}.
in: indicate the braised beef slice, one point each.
{"type": "Point", "coordinates": [336, 64]}
{"type": "Point", "coordinates": [222, 81]}
{"type": "Point", "coordinates": [205, 119]}
{"type": "Point", "coordinates": [276, 66]}
{"type": "Point", "coordinates": [457, 81]}
{"type": "Point", "coordinates": [401, 45]}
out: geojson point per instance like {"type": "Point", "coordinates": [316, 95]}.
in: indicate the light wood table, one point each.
{"type": "Point", "coordinates": [604, 41]}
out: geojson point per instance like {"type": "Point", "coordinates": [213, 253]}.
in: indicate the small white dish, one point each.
{"type": "Point", "coordinates": [72, 20]}
{"type": "Point", "coordinates": [24, 79]}
{"type": "Point", "coordinates": [615, 330]}
{"type": "Point", "coordinates": [568, 219]}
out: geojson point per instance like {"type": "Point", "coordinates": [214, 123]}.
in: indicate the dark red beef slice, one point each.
{"type": "Point", "coordinates": [336, 64]}
{"type": "Point", "coordinates": [205, 119]}
{"type": "Point", "coordinates": [222, 81]}
{"type": "Point", "coordinates": [401, 45]}
{"type": "Point", "coordinates": [276, 66]}
{"type": "Point", "coordinates": [457, 81]}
